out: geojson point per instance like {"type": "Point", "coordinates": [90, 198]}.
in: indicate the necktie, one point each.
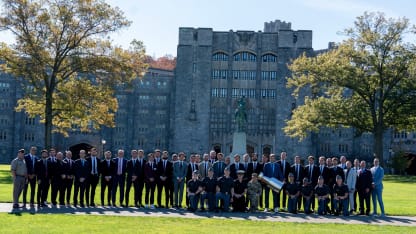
{"type": "Point", "coordinates": [181, 164]}
{"type": "Point", "coordinates": [284, 167]}
{"type": "Point", "coordinates": [164, 165]}
{"type": "Point", "coordinates": [310, 172]}
{"type": "Point", "coordinates": [254, 166]}
{"type": "Point", "coordinates": [297, 172]}
{"type": "Point", "coordinates": [236, 166]}
{"type": "Point", "coordinates": [93, 166]}
{"type": "Point", "coordinates": [206, 169]}
{"type": "Point", "coordinates": [33, 162]}
{"type": "Point", "coordinates": [348, 171]}
{"type": "Point", "coordinates": [120, 166]}
{"type": "Point", "coordinates": [108, 163]}
{"type": "Point", "coordinates": [70, 163]}
{"type": "Point", "coordinates": [82, 162]}
{"type": "Point", "coordinates": [272, 169]}
{"type": "Point", "coordinates": [134, 162]}
{"type": "Point", "coordinates": [322, 168]}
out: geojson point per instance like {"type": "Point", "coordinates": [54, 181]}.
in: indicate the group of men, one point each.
{"type": "Point", "coordinates": [212, 182]}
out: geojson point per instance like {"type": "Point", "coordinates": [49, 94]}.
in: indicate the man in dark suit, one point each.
{"type": "Point", "coordinates": [93, 177]}
{"type": "Point", "coordinates": [106, 170]}
{"type": "Point", "coordinates": [82, 170]}
{"type": "Point", "coordinates": [285, 168]}
{"type": "Point", "coordinates": [219, 166]}
{"type": "Point", "coordinates": [236, 166]}
{"type": "Point", "coordinates": [192, 166]}
{"type": "Point", "coordinates": [58, 181]}
{"type": "Point", "coordinates": [119, 176]}
{"type": "Point", "coordinates": [272, 170]}
{"type": "Point", "coordinates": [312, 173]}
{"type": "Point", "coordinates": [298, 173]}
{"type": "Point", "coordinates": [140, 176]}
{"type": "Point", "coordinates": [336, 170]}
{"type": "Point", "coordinates": [327, 174]}
{"type": "Point", "coordinates": [254, 166]}
{"type": "Point", "coordinates": [364, 184]}
{"type": "Point", "coordinates": [31, 179]}
{"type": "Point", "coordinates": [132, 174]}
{"type": "Point", "coordinates": [41, 170]}
{"type": "Point", "coordinates": [164, 173]}
{"type": "Point", "coordinates": [69, 179]}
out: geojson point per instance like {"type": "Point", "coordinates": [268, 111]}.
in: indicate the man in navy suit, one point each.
{"type": "Point", "coordinates": [378, 174]}
{"type": "Point", "coordinates": [236, 166]}
{"type": "Point", "coordinates": [42, 173]}
{"type": "Point", "coordinates": [81, 178]}
{"type": "Point", "coordinates": [107, 169]}
{"type": "Point", "coordinates": [31, 179]}
{"type": "Point", "coordinates": [272, 170]}
{"type": "Point", "coordinates": [119, 176]}
{"type": "Point", "coordinates": [94, 176]}
{"type": "Point", "coordinates": [69, 179]}
{"type": "Point", "coordinates": [219, 166]}
{"type": "Point", "coordinates": [285, 168]}
{"type": "Point", "coordinates": [312, 173]}
{"type": "Point", "coordinates": [132, 178]}
{"type": "Point", "coordinates": [364, 182]}
{"type": "Point", "coordinates": [298, 173]}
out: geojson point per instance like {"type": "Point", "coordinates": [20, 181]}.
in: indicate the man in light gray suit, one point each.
{"type": "Point", "coordinates": [179, 174]}
{"type": "Point", "coordinates": [350, 181]}
{"type": "Point", "coordinates": [204, 166]}
{"type": "Point", "coordinates": [378, 174]}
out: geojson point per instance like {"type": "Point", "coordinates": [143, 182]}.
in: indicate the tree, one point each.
{"type": "Point", "coordinates": [167, 62]}
{"type": "Point", "coordinates": [63, 53]}
{"type": "Point", "coordinates": [367, 82]}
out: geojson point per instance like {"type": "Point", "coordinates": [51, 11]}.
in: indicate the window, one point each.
{"type": "Point", "coordinates": [245, 56]}
{"type": "Point", "coordinates": [235, 92]}
{"type": "Point", "coordinates": [325, 147]}
{"type": "Point", "coordinates": [269, 58]}
{"type": "Point", "coordinates": [268, 75]}
{"type": "Point", "coordinates": [219, 74]}
{"type": "Point", "coordinates": [268, 93]}
{"type": "Point", "coordinates": [29, 121]}
{"type": "Point", "coordinates": [219, 92]}
{"type": "Point", "coordinates": [220, 56]}
{"type": "Point", "coordinates": [4, 87]}
{"type": "Point", "coordinates": [29, 136]}
{"type": "Point", "coordinates": [3, 135]}
{"type": "Point", "coordinates": [343, 148]}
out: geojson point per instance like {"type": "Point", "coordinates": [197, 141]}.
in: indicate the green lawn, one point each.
{"type": "Point", "coordinates": [398, 192]}
{"type": "Point", "coordinates": [57, 223]}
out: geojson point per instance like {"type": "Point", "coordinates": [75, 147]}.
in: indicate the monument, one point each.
{"type": "Point", "coordinates": [239, 136]}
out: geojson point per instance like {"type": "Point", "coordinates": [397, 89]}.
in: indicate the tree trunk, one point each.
{"type": "Point", "coordinates": [378, 144]}
{"type": "Point", "coordinates": [48, 120]}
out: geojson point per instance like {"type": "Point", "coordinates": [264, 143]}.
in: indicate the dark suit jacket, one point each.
{"type": "Point", "coordinates": [327, 173]}
{"type": "Point", "coordinates": [70, 167]}
{"type": "Point", "coordinates": [89, 159]}
{"type": "Point", "coordinates": [313, 179]}
{"type": "Point", "coordinates": [337, 171]}
{"type": "Point", "coordinates": [364, 180]}
{"type": "Point", "coordinates": [298, 180]}
{"type": "Point", "coordinates": [81, 171]}
{"type": "Point", "coordinates": [233, 169]}
{"type": "Point", "coordinates": [287, 169]}
{"type": "Point", "coordinates": [168, 171]}
{"type": "Point", "coordinates": [29, 164]}
{"type": "Point", "coordinates": [270, 172]}
{"type": "Point", "coordinates": [60, 168]}
{"type": "Point", "coordinates": [124, 166]}
{"type": "Point", "coordinates": [41, 171]}
{"type": "Point", "coordinates": [189, 171]}
{"type": "Point", "coordinates": [105, 169]}
{"type": "Point", "coordinates": [251, 170]}
{"type": "Point", "coordinates": [132, 170]}
{"type": "Point", "coordinates": [150, 172]}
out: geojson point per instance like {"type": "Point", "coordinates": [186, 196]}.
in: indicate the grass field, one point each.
{"type": "Point", "coordinates": [42, 223]}
{"type": "Point", "coordinates": [398, 194]}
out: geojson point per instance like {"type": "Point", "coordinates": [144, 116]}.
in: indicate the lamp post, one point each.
{"type": "Point", "coordinates": [102, 144]}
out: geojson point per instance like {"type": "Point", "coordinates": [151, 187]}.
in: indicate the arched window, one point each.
{"type": "Point", "coordinates": [269, 58]}
{"type": "Point", "coordinates": [245, 56]}
{"type": "Point", "coordinates": [220, 56]}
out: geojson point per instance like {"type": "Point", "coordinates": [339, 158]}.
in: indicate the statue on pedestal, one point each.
{"type": "Point", "coordinates": [241, 115]}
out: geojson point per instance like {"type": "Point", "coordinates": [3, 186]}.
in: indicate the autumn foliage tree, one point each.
{"type": "Point", "coordinates": [367, 82]}
{"type": "Point", "coordinates": [167, 62]}
{"type": "Point", "coordinates": [63, 52]}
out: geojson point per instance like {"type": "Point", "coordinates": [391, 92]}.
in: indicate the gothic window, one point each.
{"type": "Point", "coordinates": [245, 56]}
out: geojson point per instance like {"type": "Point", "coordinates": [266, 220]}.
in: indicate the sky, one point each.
{"type": "Point", "coordinates": [156, 22]}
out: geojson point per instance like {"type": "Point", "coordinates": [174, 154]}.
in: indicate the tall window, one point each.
{"type": "Point", "coordinates": [269, 58]}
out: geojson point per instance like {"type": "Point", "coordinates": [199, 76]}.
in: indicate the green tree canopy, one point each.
{"type": "Point", "coordinates": [367, 82]}
{"type": "Point", "coordinates": [63, 52]}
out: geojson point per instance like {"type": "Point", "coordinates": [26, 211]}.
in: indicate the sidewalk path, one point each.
{"type": "Point", "coordinates": [258, 216]}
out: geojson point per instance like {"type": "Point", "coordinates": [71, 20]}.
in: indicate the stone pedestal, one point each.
{"type": "Point", "coordinates": [239, 144]}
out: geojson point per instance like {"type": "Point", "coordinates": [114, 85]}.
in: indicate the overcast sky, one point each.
{"type": "Point", "coordinates": [156, 22]}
